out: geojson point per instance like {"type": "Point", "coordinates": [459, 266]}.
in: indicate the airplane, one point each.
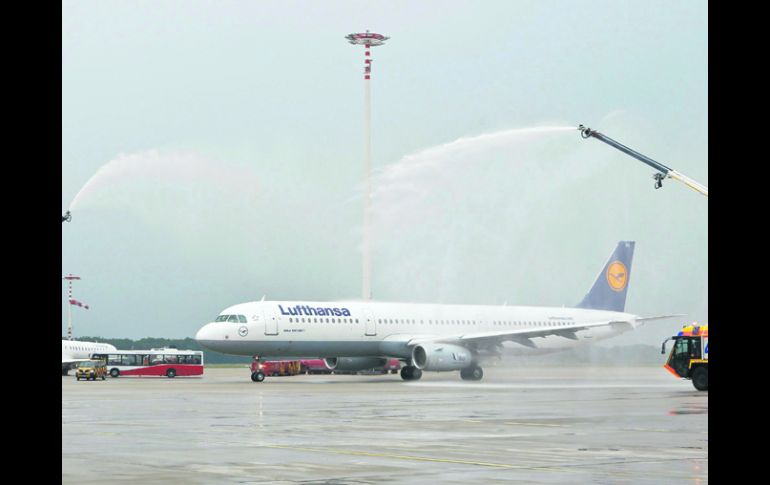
{"type": "Point", "coordinates": [356, 335]}
{"type": "Point", "coordinates": [74, 351]}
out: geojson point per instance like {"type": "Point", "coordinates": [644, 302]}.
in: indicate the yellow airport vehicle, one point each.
{"type": "Point", "coordinates": [91, 370]}
{"type": "Point", "coordinates": [689, 358]}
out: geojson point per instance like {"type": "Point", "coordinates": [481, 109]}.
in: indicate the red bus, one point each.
{"type": "Point", "coordinates": [155, 362]}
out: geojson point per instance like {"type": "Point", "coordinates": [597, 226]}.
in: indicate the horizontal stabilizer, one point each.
{"type": "Point", "coordinates": [660, 317]}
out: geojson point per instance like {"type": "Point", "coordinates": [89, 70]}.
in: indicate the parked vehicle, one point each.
{"type": "Point", "coordinates": [91, 370]}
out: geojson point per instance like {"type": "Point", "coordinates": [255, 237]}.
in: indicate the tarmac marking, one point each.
{"type": "Point", "coordinates": [539, 424]}
{"type": "Point", "coordinates": [414, 458]}
{"type": "Point", "coordinates": [648, 430]}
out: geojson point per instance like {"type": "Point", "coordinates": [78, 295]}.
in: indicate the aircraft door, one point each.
{"type": "Point", "coordinates": [271, 322]}
{"type": "Point", "coordinates": [370, 322]}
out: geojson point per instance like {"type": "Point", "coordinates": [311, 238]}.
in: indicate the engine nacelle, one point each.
{"type": "Point", "coordinates": [441, 357]}
{"type": "Point", "coordinates": [354, 363]}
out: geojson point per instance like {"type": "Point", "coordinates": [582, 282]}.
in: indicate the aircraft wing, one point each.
{"type": "Point", "coordinates": [520, 336]}
{"type": "Point", "coordinates": [525, 336]}
{"type": "Point", "coordinates": [66, 359]}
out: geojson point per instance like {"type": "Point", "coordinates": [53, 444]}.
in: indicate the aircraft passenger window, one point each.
{"type": "Point", "coordinates": [356, 320]}
{"type": "Point", "coordinates": [290, 320]}
{"type": "Point", "coordinates": [242, 318]}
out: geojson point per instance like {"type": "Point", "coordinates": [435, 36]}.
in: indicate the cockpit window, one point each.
{"type": "Point", "coordinates": [231, 318]}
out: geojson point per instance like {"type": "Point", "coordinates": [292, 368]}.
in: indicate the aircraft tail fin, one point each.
{"type": "Point", "coordinates": [609, 289]}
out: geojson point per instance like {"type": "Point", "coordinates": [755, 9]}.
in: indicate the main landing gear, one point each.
{"type": "Point", "coordinates": [410, 373]}
{"type": "Point", "coordinates": [472, 373]}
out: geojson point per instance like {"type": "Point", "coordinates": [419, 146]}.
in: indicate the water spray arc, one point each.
{"type": "Point", "coordinates": [664, 171]}
{"type": "Point", "coordinates": [368, 40]}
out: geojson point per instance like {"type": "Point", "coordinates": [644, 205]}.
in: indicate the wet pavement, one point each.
{"type": "Point", "coordinates": [518, 425]}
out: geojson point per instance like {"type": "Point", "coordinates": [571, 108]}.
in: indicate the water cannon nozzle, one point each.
{"type": "Point", "coordinates": [658, 180]}
{"type": "Point", "coordinates": [66, 217]}
{"type": "Point", "coordinates": [585, 132]}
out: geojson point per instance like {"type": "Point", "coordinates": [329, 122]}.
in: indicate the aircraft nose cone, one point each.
{"type": "Point", "coordinates": [205, 335]}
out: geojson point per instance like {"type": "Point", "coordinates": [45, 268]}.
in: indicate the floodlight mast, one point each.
{"type": "Point", "coordinates": [70, 278]}
{"type": "Point", "coordinates": [367, 39]}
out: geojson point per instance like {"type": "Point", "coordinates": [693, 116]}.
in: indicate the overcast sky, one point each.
{"type": "Point", "coordinates": [232, 137]}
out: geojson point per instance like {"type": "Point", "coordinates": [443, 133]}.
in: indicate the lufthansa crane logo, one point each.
{"type": "Point", "coordinates": [243, 331]}
{"type": "Point", "coordinates": [617, 276]}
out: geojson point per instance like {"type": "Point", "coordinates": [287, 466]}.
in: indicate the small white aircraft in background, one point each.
{"type": "Point", "coordinates": [356, 335]}
{"type": "Point", "coordinates": [74, 351]}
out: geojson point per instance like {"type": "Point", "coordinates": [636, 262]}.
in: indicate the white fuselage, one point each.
{"type": "Point", "coordinates": [75, 349]}
{"type": "Point", "coordinates": [362, 328]}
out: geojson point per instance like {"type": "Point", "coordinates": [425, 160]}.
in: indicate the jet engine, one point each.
{"type": "Point", "coordinates": [353, 364]}
{"type": "Point", "coordinates": [441, 357]}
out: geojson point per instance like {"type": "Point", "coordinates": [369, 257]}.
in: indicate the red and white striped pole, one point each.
{"type": "Point", "coordinates": [69, 279]}
{"type": "Point", "coordinates": [366, 286]}
{"type": "Point", "coordinates": [368, 40]}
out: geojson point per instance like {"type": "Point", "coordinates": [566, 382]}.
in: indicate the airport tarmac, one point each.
{"type": "Point", "coordinates": [518, 425]}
